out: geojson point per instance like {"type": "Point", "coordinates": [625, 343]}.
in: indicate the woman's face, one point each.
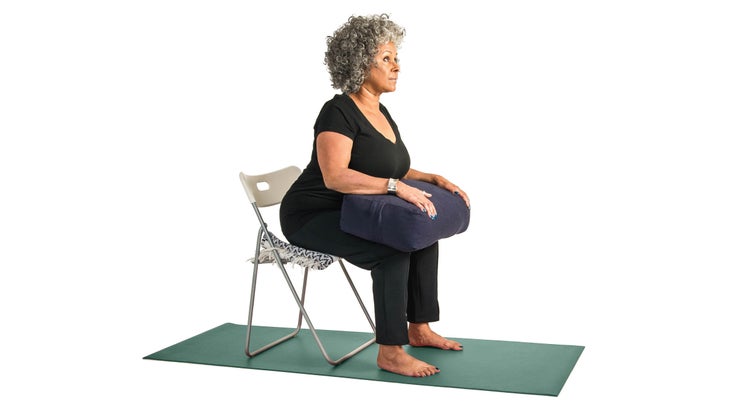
{"type": "Point", "coordinates": [383, 73]}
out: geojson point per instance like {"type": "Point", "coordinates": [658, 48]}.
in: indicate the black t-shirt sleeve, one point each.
{"type": "Point", "coordinates": [332, 117]}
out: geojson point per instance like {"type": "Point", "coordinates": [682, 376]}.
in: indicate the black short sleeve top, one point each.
{"type": "Point", "coordinates": [372, 154]}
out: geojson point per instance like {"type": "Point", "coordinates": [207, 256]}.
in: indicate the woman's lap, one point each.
{"type": "Point", "coordinates": [322, 233]}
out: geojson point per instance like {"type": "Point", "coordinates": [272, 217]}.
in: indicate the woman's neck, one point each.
{"type": "Point", "coordinates": [366, 99]}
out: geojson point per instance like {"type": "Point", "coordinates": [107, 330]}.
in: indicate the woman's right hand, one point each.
{"type": "Point", "coordinates": [419, 198]}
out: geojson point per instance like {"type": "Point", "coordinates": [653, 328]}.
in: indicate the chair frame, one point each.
{"type": "Point", "coordinates": [249, 182]}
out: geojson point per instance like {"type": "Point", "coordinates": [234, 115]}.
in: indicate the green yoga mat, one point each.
{"type": "Point", "coordinates": [515, 367]}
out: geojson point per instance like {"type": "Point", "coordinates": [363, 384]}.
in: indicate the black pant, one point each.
{"type": "Point", "coordinates": [405, 285]}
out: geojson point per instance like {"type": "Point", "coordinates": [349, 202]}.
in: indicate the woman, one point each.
{"type": "Point", "coordinates": [358, 149]}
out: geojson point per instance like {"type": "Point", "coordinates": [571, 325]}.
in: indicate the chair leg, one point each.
{"type": "Point", "coordinates": [355, 351]}
{"type": "Point", "coordinates": [357, 295]}
{"type": "Point", "coordinates": [302, 314]}
{"type": "Point", "coordinates": [249, 326]}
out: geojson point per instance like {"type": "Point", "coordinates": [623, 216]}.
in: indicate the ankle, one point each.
{"type": "Point", "coordinates": [389, 350]}
{"type": "Point", "coordinates": [418, 328]}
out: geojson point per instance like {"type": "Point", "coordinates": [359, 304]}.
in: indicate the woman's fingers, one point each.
{"type": "Point", "coordinates": [421, 199]}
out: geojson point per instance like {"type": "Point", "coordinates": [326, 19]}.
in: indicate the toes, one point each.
{"type": "Point", "coordinates": [426, 372]}
{"type": "Point", "coordinates": [453, 345]}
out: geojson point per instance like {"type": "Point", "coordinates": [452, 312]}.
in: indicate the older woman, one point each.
{"type": "Point", "coordinates": [357, 149]}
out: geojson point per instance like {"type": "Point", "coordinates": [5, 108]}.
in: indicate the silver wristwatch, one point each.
{"type": "Point", "coordinates": [392, 185]}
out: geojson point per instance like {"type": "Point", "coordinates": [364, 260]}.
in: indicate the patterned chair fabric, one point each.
{"type": "Point", "coordinates": [290, 253]}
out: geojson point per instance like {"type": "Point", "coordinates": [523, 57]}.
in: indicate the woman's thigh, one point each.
{"type": "Point", "coordinates": [323, 234]}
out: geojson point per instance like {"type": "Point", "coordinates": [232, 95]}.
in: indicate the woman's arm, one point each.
{"type": "Point", "coordinates": [333, 154]}
{"type": "Point", "coordinates": [437, 180]}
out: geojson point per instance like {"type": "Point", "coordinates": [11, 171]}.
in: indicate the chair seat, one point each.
{"type": "Point", "coordinates": [290, 253]}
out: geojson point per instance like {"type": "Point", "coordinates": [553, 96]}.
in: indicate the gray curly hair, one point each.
{"type": "Point", "coordinates": [351, 49]}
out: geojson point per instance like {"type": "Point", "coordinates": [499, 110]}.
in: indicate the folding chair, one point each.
{"type": "Point", "coordinates": [266, 190]}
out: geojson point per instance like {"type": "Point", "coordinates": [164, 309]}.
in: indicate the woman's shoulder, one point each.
{"type": "Point", "coordinates": [339, 100]}
{"type": "Point", "coordinates": [339, 103]}
{"type": "Point", "coordinates": [338, 114]}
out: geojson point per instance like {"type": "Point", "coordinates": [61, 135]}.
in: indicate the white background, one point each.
{"type": "Point", "coordinates": [591, 137]}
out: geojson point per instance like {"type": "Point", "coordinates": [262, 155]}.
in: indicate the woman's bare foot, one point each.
{"type": "Point", "coordinates": [395, 359]}
{"type": "Point", "coordinates": [421, 335]}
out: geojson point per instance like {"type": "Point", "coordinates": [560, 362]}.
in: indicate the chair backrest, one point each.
{"type": "Point", "coordinates": [268, 189]}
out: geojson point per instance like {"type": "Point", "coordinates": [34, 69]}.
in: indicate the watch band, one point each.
{"type": "Point", "coordinates": [392, 185]}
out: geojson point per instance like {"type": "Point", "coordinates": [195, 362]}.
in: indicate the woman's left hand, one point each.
{"type": "Point", "coordinates": [453, 188]}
